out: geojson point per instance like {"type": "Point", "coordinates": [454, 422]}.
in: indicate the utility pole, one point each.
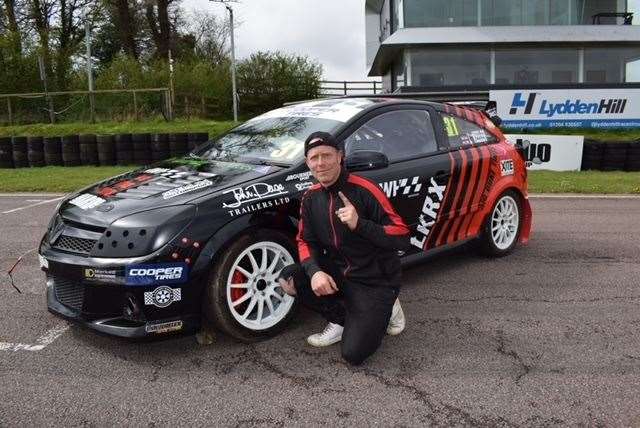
{"type": "Point", "coordinates": [233, 57]}
{"type": "Point", "coordinates": [43, 77]}
{"type": "Point", "coordinates": [92, 100]}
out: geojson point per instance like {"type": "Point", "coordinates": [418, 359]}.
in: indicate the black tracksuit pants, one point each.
{"type": "Point", "coordinates": [363, 310]}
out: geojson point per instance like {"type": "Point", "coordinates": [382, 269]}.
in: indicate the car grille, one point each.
{"type": "Point", "coordinates": [74, 245]}
{"type": "Point", "coordinates": [69, 293]}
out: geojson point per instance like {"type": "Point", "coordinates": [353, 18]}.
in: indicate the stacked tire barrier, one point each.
{"type": "Point", "coordinates": [70, 150]}
{"type": "Point", "coordinates": [88, 149]}
{"type": "Point", "coordinates": [19, 148]}
{"type": "Point", "coordinates": [6, 152]}
{"type": "Point", "coordinates": [611, 156]}
{"type": "Point", "coordinates": [35, 151]}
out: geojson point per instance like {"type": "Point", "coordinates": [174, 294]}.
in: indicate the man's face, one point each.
{"type": "Point", "coordinates": [324, 163]}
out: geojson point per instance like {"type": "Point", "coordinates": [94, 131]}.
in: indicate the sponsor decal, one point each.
{"type": "Point", "coordinates": [86, 201]}
{"type": "Point", "coordinates": [430, 209]}
{"type": "Point", "coordinates": [124, 185]}
{"type": "Point", "coordinates": [186, 189]}
{"type": "Point", "coordinates": [164, 327]}
{"type": "Point", "coordinates": [96, 274]}
{"type": "Point", "coordinates": [161, 273]}
{"type": "Point", "coordinates": [301, 176]}
{"type": "Point", "coordinates": [506, 167]}
{"type": "Point", "coordinates": [259, 206]}
{"type": "Point", "coordinates": [162, 296]}
{"type": "Point", "coordinates": [568, 107]}
{"type": "Point", "coordinates": [44, 264]}
{"type": "Point", "coordinates": [402, 186]}
{"type": "Point", "coordinates": [304, 186]}
{"type": "Point", "coordinates": [451, 126]}
{"type": "Point", "coordinates": [252, 193]}
{"type": "Point", "coordinates": [479, 136]}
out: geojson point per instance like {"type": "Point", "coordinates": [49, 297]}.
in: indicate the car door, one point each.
{"type": "Point", "coordinates": [419, 167]}
{"type": "Point", "coordinates": [471, 154]}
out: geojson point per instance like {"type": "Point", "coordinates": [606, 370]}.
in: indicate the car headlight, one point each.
{"type": "Point", "coordinates": [143, 233]}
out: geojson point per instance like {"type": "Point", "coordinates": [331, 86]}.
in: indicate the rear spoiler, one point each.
{"type": "Point", "coordinates": [488, 108]}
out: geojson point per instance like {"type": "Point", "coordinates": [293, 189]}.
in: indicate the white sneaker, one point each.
{"type": "Point", "coordinates": [331, 334]}
{"type": "Point", "coordinates": [397, 322]}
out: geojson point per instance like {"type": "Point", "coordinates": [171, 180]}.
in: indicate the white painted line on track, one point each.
{"type": "Point", "coordinates": [30, 195]}
{"type": "Point", "coordinates": [32, 205]}
{"type": "Point", "coordinates": [33, 200]}
{"type": "Point", "coordinates": [42, 342]}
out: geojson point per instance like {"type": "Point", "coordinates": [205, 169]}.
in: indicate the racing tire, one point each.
{"type": "Point", "coordinates": [502, 227]}
{"type": "Point", "coordinates": [243, 299]}
{"type": "Point", "coordinates": [19, 152]}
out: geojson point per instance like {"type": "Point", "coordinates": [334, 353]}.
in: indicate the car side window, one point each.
{"type": "Point", "coordinates": [399, 134]}
{"type": "Point", "coordinates": [462, 133]}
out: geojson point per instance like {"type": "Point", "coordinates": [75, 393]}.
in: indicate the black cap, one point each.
{"type": "Point", "coordinates": [320, 139]}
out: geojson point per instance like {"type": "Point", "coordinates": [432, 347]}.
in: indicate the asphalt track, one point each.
{"type": "Point", "coordinates": [549, 335]}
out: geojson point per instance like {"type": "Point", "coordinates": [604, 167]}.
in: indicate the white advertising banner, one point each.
{"type": "Point", "coordinates": [568, 108]}
{"type": "Point", "coordinates": [556, 152]}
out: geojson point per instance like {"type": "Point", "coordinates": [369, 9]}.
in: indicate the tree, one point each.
{"type": "Point", "coordinates": [9, 21]}
{"type": "Point", "coordinates": [267, 80]}
{"type": "Point", "coordinates": [211, 34]}
{"type": "Point", "coordinates": [125, 18]}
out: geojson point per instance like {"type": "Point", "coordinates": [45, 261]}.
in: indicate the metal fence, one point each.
{"type": "Point", "coordinates": [85, 106]}
{"type": "Point", "coordinates": [332, 88]}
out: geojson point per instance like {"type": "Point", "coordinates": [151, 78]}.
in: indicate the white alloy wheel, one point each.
{"type": "Point", "coordinates": [505, 221]}
{"type": "Point", "coordinates": [254, 296]}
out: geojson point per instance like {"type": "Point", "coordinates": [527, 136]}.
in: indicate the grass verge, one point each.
{"type": "Point", "coordinates": [607, 182]}
{"type": "Point", "coordinates": [61, 179]}
{"type": "Point", "coordinates": [155, 126]}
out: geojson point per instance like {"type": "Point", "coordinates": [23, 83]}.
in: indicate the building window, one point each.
{"type": "Point", "coordinates": [456, 13]}
{"type": "Point", "coordinates": [611, 65]}
{"type": "Point", "coordinates": [399, 74]}
{"type": "Point", "coordinates": [450, 67]}
{"type": "Point", "coordinates": [440, 13]}
{"type": "Point", "coordinates": [532, 66]}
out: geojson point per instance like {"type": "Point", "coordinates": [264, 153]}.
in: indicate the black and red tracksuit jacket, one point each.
{"type": "Point", "coordinates": [368, 254]}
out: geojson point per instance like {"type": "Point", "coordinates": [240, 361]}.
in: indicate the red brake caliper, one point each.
{"type": "Point", "coordinates": [238, 278]}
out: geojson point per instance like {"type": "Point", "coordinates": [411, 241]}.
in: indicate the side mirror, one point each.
{"type": "Point", "coordinates": [522, 144]}
{"type": "Point", "coordinates": [366, 160]}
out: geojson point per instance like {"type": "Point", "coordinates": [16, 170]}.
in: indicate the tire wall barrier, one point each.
{"type": "Point", "coordinates": [89, 149]}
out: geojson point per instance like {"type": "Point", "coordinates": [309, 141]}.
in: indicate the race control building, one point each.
{"type": "Point", "coordinates": [449, 45]}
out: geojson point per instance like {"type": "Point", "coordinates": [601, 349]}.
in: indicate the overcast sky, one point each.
{"type": "Point", "coordinates": [330, 31]}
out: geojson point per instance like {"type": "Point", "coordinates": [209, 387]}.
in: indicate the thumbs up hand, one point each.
{"type": "Point", "coordinates": [347, 214]}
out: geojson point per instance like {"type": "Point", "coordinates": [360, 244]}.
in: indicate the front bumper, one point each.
{"type": "Point", "coordinates": [121, 326]}
{"type": "Point", "coordinates": [110, 306]}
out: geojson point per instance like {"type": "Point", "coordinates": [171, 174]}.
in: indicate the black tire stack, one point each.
{"type": "Point", "coordinates": [178, 144]}
{"type": "Point", "coordinates": [159, 147]}
{"type": "Point", "coordinates": [6, 152]}
{"type": "Point", "coordinates": [35, 152]}
{"type": "Point", "coordinates": [633, 156]}
{"type": "Point", "coordinates": [197, 138]}
{"type": "Point", "coordinates": [614, 156]}
{"type": "Point", "coordinates": [124, 149]}
{"type": "Point", "coordinates": [141, 149]}
{"type": "Point", "coordinates": [70, 150]}
{"type": "Point", "coordinates": [19, 149]}
{"type": "Point", "coordinates": [106, 150]}
{"type": "Point", "coordinates": [592, 155]}
{"type": "Point", "coordinates": [52, 151]}
{"type": "Point", "coordinates": [88, 150]}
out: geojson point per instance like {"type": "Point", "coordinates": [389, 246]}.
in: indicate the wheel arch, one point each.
{"type": "Point", "coordinates": [506, 186]}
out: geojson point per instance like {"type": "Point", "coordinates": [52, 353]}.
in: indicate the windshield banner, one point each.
{"type": "Point", "coordinates": [568, 108]}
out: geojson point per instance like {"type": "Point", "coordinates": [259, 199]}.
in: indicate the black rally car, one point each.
{"type": "Point", "coordinates": [153, 250]}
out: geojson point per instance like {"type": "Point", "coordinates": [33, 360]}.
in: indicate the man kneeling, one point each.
{"type": "Point", "coordinates": [348, 239]}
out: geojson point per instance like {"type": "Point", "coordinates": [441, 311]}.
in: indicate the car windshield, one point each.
{"type": "Point", "coordinates": [267, 141]}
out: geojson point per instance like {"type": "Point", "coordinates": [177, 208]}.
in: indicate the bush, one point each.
{"type": "Point", "coordinates": [268, 80]}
